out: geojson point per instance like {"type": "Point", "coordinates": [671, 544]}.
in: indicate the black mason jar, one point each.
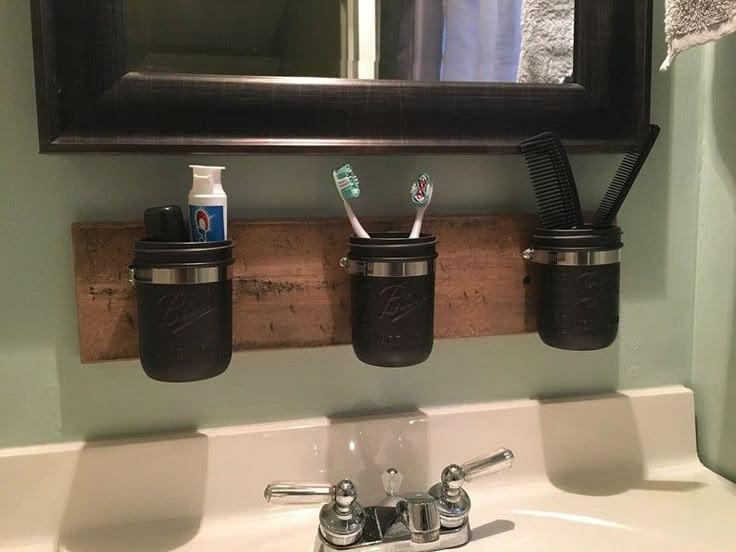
{"type": "Point", "coordinates": [392, 297]}
{"type": "Point", "coordinates": [574, 275]}
{"type": "Point", "coordinates": [185, 315]}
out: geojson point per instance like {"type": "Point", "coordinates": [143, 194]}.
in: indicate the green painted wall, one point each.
{"type": "Point", "coordinates": [47, 395]}
{"type": "Point", "coordinates": [714, 351]}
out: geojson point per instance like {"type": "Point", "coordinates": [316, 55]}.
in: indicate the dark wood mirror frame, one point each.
{"type": "Point", "coordinates": [89, 100]}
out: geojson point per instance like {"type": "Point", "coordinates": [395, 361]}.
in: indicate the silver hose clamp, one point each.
{"type": "Point", "coordinates": [573, 258]}
{"type": "Point", "coordinates": [180, 275]}
{"type": "Point", "coordinates": [388, 269]}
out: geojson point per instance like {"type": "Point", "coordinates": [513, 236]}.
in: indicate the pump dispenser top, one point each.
{"type": "Point", "coordinates": [207, 204]}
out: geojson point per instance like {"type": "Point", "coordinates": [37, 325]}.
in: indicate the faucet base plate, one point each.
{"type": "Point", "coordinates": [384, 532]}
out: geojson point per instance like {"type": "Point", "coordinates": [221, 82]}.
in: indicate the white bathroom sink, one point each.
{"type": "Point", "coordinates": [618, 472]}
{"type": "Point", "coordinates": [530, 517]}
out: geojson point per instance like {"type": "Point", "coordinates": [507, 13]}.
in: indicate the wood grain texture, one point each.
{"type": "Point", "coordinates": [289, 290]}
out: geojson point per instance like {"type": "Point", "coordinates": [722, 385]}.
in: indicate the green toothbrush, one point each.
{"type": "Point", "coordinates": [348, 187]}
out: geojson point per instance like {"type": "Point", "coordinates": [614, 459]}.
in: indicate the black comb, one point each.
{"type": "Point", "coordinates": [553, 181]}
{"type": "Point", "coordinates": [625, 176]}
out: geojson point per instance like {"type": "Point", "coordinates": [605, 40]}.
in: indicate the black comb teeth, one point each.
{"type": "Point", "coordinates": [625, 176]}
{"type": "Point", "coordinates": [553, 181]}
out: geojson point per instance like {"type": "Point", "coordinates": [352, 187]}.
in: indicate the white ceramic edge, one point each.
{"type": "Point", "coordinates": [221, 473]}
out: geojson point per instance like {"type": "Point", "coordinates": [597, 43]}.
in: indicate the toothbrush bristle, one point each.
{"type": "Point", "coordinates": [421, 190]}
{"type": "Point", "coordinates": [347, 182]}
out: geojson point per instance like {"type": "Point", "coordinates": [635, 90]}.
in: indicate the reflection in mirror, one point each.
{"type": "Point", "coordinates": [422, 40]}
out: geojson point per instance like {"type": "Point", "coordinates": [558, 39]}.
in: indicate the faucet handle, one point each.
{"type": "Point", "coordinates": [345, 496]}
{"type": "Point", "coordinates": [453, 476]}
{"type": "Point", "coordinates": [453, 502]}
{"type": "Point", "coordinates": [487, 464]}
{"type": "Point", "coordinates": [285, 492]}
{"type": "Point", "coordinates": [341, 522]}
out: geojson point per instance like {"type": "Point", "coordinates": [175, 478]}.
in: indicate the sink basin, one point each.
{"type": "Point", "coordinates": [693, 516]}
{"type": "Point", "coordinates": [616, 472]}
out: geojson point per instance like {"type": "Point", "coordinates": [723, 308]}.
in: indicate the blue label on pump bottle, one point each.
{"type": "Point", "coordinates": [207, 223]}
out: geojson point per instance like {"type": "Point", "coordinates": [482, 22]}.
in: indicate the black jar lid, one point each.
{"type": "Point", "coordinates": [393, 245]}
{"type": "Point", "coordinates": [585, 237]}
{"type": "Point", "coordinates": [154, 253]}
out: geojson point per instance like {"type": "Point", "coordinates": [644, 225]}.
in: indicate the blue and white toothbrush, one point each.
{"type": "Point", "coordinates": [348, 187]}
{"type": "Point", "coordinates": [421, 195]}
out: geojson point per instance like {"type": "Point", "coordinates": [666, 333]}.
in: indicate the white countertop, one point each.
{"type": "Point", "coordinates": [617, 472]}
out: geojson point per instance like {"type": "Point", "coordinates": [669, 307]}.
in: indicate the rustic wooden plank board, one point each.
{"type": "Point", "coordinates": [289, 290]}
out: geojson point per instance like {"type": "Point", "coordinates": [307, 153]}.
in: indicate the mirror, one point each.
{"type": "Point", "coordinates": [339, 76]}
{"type": "Point", "coordinates": [523, 41]}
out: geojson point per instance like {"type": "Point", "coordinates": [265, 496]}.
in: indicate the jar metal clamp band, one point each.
{"type": "Point", "coordinates": [573, 258]}
{"type": "Point", "coordinates": [180, 275]}
{"type": "Point", "coordinates": [388, 269]}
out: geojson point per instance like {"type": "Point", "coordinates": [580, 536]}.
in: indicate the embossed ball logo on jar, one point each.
{"type": "Point", "coordinates": [181, 309]}
{"type": "Point", "coordinates": [401, 301]}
